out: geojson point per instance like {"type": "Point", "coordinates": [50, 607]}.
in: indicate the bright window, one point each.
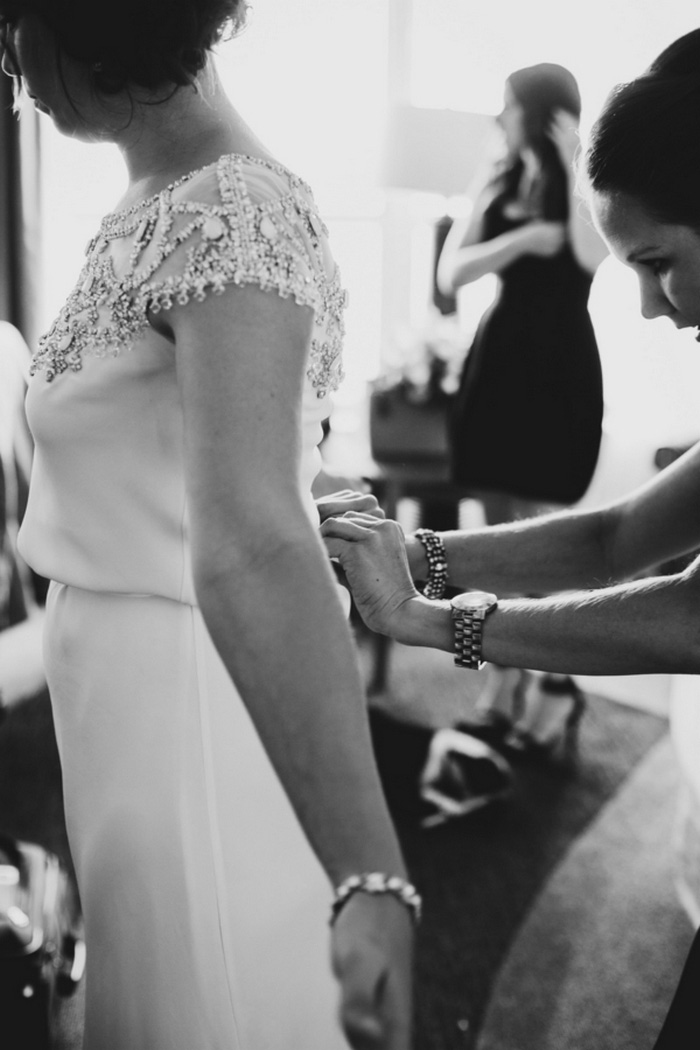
{"type": "Point", "coordinates": [463, 51]}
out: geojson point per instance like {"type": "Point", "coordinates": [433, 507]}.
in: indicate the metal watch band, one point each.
{"type": "Point", "coordinates": [468, 632]}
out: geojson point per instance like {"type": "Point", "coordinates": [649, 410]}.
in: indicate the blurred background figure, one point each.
{"type": "Point", "coordinates": [526, 428]}
{"type": "Point", "coordinates": [21, 592]}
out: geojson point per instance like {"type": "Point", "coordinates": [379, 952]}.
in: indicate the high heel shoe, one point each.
{"type": "Point", "coordinates": [461, 775]}
{"type": "Point", "coordinates": [503, 706]}
{"type": "Point", "coordinates": [492, 727]}
{"type": "Point", "coordinates": [557, 739]}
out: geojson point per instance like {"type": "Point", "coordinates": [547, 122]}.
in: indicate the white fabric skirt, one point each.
{"type": "Point", "coordinates": [206, 912]}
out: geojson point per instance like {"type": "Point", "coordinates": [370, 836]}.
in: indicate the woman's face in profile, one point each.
{"type": "Point", "coordinates": [665, 257]}
{"type": "Point", "coordinates": [512, 121]}
{"type": "Point", "coordinates": [31, 58]}
{"type": "Point", "coordinates": [56, 86]}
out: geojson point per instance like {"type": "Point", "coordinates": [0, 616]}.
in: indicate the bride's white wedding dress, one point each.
{"type": "Point", "coordinates": [206, 911]}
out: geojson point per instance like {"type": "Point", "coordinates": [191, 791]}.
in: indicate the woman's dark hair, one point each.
{"type": "Point", "coordinates": [541, 90]}
{"type": "Point", "coordinates": [646, 141]}
{"type": "Point", "coordinates": [147, 43]}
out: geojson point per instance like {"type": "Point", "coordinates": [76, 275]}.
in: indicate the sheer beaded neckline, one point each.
{"type": "Point", "coordinates": [119, 214]}
{"type": "Point", "coordinates": [258, 225]}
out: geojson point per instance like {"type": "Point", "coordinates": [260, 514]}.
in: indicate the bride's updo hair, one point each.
{"type": "Point", "coordinates": [145, 43]}
{"type": "Point", "coordinates": [646, 141]}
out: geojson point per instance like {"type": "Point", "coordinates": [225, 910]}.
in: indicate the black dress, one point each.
{"type": "Point", "coordinates": [681, 1030]}
{"type": "Point", "coordinates": [527, 417]}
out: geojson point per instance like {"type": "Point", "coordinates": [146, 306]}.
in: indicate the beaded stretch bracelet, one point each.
{"type": "Point", "coordinates": [437, 563]}
{"type": "Point", "coordinates": [377, 882]}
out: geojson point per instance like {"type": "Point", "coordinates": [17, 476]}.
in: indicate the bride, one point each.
{"type": "Point", "coordinates": [218, 774]}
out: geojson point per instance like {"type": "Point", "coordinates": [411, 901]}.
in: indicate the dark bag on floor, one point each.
{"type": "Point", "coordinates": [41, 952]}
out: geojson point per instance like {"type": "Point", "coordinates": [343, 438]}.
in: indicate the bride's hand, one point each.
{"type": "Point", "coordinates": [336, 503]}
{"type": "Point", "coordinates": [372, 949]}
{"type": "Point", "coordinates": [372, 553]}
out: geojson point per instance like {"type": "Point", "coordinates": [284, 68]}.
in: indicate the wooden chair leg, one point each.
{"type": "Point", "coordinates": [380, 668]}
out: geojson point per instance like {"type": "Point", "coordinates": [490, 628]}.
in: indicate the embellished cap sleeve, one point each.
{"type": "Point", "coordinates": [240, 222]}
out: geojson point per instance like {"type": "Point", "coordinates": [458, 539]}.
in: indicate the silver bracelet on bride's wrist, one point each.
{"type": "Point", "coordinates": [377, 882]}
{"type": "Point", "coordinates": [436, 556]}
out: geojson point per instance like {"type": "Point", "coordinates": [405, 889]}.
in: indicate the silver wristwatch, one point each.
{"type": "Point", "coordinates": [469, 610]}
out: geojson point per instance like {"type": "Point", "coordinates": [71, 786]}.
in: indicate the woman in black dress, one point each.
{"type": "Point", "coordinates": [526, 429]}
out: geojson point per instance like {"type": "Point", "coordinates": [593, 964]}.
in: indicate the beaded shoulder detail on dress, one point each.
{"type": "Point", "coordinates": [179, 246]}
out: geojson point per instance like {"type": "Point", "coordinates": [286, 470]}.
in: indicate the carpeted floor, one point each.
{"type": "Point", "coordinates": [595, 964]}
{"type": "Point", "coordinates": [482, 877]}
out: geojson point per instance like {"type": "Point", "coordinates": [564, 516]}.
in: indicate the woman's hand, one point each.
{"type": "Point", "coordinates": [326, 483]}
{"type": "Point", "coordinates": [563, 132]}
{"type": "Point", "coordinates": [372, 950]}
{"type": "Point", "coordinates": [542, 238]}
{"type": "Point", "coordinates": [587, 246]}
{"type": "Point", "coordinates": [372, 553]}
{"type": "Point", "coordinates": [335, 504]}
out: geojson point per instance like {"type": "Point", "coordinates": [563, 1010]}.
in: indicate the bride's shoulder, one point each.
{"type": "Point", "coordinates": [243, 180]}
{"type": "Point", "coordinates": [241, 220]}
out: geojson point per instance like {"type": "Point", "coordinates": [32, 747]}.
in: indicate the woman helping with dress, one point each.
{"type": "Point", "coordinates": [641, 166]}
{"type": "Point", "coordinates": [217, 764]}
{"type": "Point", "coordinates": [526, 428]}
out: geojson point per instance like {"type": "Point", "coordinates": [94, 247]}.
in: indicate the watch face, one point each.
{"type": "Point", "coordinates": [472, 600]}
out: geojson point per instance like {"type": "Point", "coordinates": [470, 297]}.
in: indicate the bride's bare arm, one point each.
{"type": "Point", "coordinates": [262, 577]}
{"type": "Point", "coordinates": [269, 597]}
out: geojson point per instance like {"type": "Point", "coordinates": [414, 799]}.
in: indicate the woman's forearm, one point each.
{"type": "Point", "coordinates": [643, 627]}
{"type": "Point", "coordinates": [289, 649]}
{"type": "Point", "coordinates": [469, 263]}
{"type": "Point", "coordinates": [567, 550]}
{"type": "Point", "coordinates": [536, 556]}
